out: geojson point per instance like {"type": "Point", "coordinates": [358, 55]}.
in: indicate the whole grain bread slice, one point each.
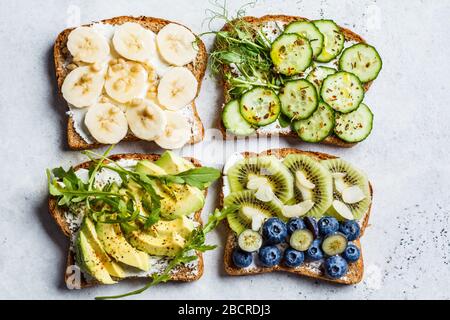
{"type": "Point", "coordinates": [182, 273]}
{"type": "Point", "coordinates": [257, 22]}
{"type": "Point", "coordinates": [308, 269]}
{"type": "Point", "coordinates": [62, 56]}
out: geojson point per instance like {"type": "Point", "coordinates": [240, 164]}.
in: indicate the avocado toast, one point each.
{"type": "Point", "coordinates": [303, 208]}
{"type": "Point", "coordinates": [290, 76]}
{"type": "Point", "coordinates": [139, 230]}
{"type": "Point", "coordinates": [113, 77]}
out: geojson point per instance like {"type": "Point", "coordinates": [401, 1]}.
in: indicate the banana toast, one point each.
{"type": "Point", "coordinates": [308, 269]}
{"type": "Point", "coordinates": [76, 133]}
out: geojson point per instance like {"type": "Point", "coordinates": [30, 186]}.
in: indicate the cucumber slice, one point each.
{"type": "Point", "coordinates": [301, 239]}
{"type": "Point", "coordinates": [334, 244]}
{"type": "Point", "coordinates": [309, 31]}
{"type": "Point", "coordinates": [342, 91]}
{"type": "Point", "coordinates": [298, 99]}
{"type": "Point", "coordinates": [333, 40]}
{"type": "Point", "coordinates": [354, 126]}
{"type": "Point", "coordinates": [250, 241]}
{"type": "Point", "coordinates": [233, 120]}
{"type": "Point", "coordinates": [362, 60]}
{"type": "Point", "coordinates": [317, 127]}
{"type": "Point", "coordinates": [291, 54]}
{"type": "Point", "coordinates": [318, 74]}
{"type": "Point", "coordinates": [260, 106]}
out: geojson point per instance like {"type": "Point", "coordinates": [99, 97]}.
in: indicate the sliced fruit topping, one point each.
{"type": "Point", "coordinates": [333, 40]}
{"type": "Point", "coordinates": [318, 126]}
{"type": "Point", "coordinates": [362, 60]}
{"type": "Point", "coordinates": [350, 176]}
{"type": "Point", "coordinates": [265, 193]}
{"type": "Point", "coordinates": [177, 132]}
{"type": "Point", "coordinates": [342, 91]}
{"type": "Point", "coordinates": [242, 259]}
{"type": "Point", "coordinates": [269, 256]}
{"type": "Point", "coordinates": [177, 88]}
{"type": "Point", "coordinates": [309, 31]}
{"type": "Point", "coordinates": [274, 231]}
{"type": "Point", "coordinates": [147, 121]}
{"type": "Point", "coordinates": [297, 210]}
{"type": "Point", "coordinates": [334, 244]}
{"type": "Point", "coordinates": [134, 42]}
{"type": "Point", "coordinates": [233, 120]}
{"type": "Point", "coordinates": [177, 44]}
{"type": "Point", "coordinates": [293, 258]}
{"type": "Point", "coordinates": [87, 45]}
{"type": "Point", "coordinates": [248, 208]}
{"type": "Point", "coordinates": [298, 99]}
{"type": "Point", "coordinates": [307, 169]}
{"type": "Point", "coordinates": [126, 80]}
{"type": "Point", "coordinates": [291, 54]}
{"type": "Point", "coordinates": [318, 74]}
{"type": "Point", "coordinates": [260, 106]}
{"type": "Point", "coordinates": [268, 167]}
{"type": "Point", "coordinates": [106, 123]}
{"type": "Point", "coordinates": [249, 240]}
{"type": "Point", "coordinates": [335, 267]}
{"type": "Point", "coordinates": [352, 195]}
{"type": "Point", "coordinates": [301, 239]}
{"type": "Point", "coordinates": [82, 87]}
{"type": "Point", "coordinates": [354, 126]}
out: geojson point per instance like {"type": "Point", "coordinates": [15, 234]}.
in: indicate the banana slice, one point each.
{"type": "Point", "coordinates": [87, 45]}
{"type": "Point", "coordinates": [82, 86]}
{"type": "Point", "coordinates": [177, 88]}
{"type": "Point", "coordinates": [176, 44]}
{"type": "Point", "coordinates": [177, 132]}
{"type": "Point", "coordinates": [134, 42]}
{"type": "Point", "coordinates": [147, 121]}
{"type": "Point", "coordinates": [126, 81]}
{"type": "Point", "coordinates": [106, 123]}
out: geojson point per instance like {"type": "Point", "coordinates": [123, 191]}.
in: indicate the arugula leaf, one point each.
{"type": "Point", "coordinates": [200, 177]}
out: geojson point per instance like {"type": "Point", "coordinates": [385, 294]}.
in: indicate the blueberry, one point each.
{"type": "Point", "coordinates": [241, 258]}
{"type": "Point", "coordinates": [315, 252]}
{"type": "Point", "coordinates": [295, 224]}
{"type": "Point", "coordinates": [351, 253]}
{"type": "Point", "coordinates": [328, 225]}
{"type": "Point", "coordinates": [351, 229]}
{"type": "Point", "coordinates": [312, 226]}
{"type": "Point", "coordinates": [335, 267]}
{"type": "Point", "coordinates": [269, 256]}
{"type": "Point", "coordinates": [293, 258]}
{"type": "Point", "coordinates": [274, 231]}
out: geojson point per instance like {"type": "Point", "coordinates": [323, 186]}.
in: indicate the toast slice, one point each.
{"type": "Point", "coordinates": [180, 273]}
{"type": "Point", "coordinates": [257, 22]}
{"type": "Point", "coordinates": [308, 269]}
{"type": "Point", "coordinates": [62, 58]}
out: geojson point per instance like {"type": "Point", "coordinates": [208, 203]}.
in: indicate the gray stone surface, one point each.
{"type": "Point", "coordinates": [406, 248]}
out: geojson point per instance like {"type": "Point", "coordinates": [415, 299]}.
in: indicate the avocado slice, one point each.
{"type": "Point", "coordinates": [167, 245]}
{"type": "Point", "coordinates": [183, 226]}
{"type": "Point", "coordinates": [173, 164]}
{"type": "Point", "coordinates": [88, 229]}
{"type": "Point", "coordinates": [115, 244]}
{"type": "Point", "coordinates": [182, 200]}
{"type": "Point", "coordinates": [148, 167]}
{"type": "Point", "coordinates": [89, 261]}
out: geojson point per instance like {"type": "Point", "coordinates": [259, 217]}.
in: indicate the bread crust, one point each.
{"type": "Point", "coordinates": [61, 54]}
{"type": "Point", "coordinates": [330, 140]}
{"type": "Point", "coordinates": [182, 273]}
{"type": "Point", "coordinates": [355, 271]}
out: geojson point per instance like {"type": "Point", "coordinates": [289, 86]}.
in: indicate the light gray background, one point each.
{"type": "Point", "coordinates": [406, 249]}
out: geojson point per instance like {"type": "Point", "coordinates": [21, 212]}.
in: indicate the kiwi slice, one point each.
{"type": "Point", "coordinates": [322, 192]}
{"type": "Point", "coordinates": [351, 177]}
{"type": "Point", "coordinates": [248, 208]}
{"type": "Point", "coordinates": [269, 167]}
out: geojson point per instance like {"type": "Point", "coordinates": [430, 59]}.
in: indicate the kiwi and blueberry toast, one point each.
{"type": "Point", "coordinates": [295, 211]}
